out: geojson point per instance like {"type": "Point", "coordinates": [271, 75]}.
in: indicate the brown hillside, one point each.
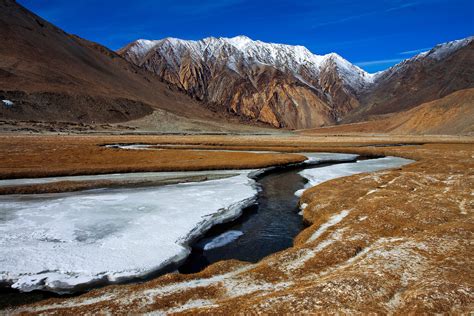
{"type": "Point", "coordinates": [54, 76]}
{"type": "Point", "coordinates": [416, 81]}
{"type": "Point", "coordinates": [451, 115]}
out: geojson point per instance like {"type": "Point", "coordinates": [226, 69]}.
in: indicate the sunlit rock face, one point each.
{"type": "Point", "coordinates": [282, 85]}
{"type": "Point", "coordinates": [428, 76]}
{"type": "Point", "coordinates": [288, 86]}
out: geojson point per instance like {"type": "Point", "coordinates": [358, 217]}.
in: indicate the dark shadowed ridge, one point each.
{"type": "Point", "coordinates": [51, 75]}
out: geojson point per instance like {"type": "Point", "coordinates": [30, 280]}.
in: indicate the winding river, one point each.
{"type": "Point", "coordinates": [264, 228]}
{"type": "Point", "coordinates": [76, 241]}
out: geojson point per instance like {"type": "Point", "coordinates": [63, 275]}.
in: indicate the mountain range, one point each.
{"type": "Point", "coordinates": [288, 86]}
{"type": "Point", "coordinates": [49, 75]}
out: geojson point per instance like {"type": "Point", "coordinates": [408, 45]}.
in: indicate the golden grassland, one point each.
{"type": "Point", "coordinates": [32, 156]}
{"type": "Point", "coordinates": [40, 156]}
{"type": "Point", "coordinates": [404, 246]}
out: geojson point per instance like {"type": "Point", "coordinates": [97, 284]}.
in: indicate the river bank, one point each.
{"type": "Point", "coordinates": [390, 241]}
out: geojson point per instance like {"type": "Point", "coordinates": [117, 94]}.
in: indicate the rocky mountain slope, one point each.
{"type": "Point", "coordinates": [428, 76]}
{"type": "Point", "coordinates": [288, 86]}
{"type": "Point", "coordinates": [449, 115]}
{"type": "Point", "coordinates": [283, 85]}
{"type": "Point", "coordinates": [49, 75]}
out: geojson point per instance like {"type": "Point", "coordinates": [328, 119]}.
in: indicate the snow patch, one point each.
{"type": "Point", "coordinates": [442, 50]}
{"type": "Point", "coordinates": [189, 305]}
{"type": "Point", "coordinates": [333, 220]}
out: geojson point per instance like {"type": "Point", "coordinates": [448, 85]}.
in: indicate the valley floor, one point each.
{"type": "Point", "coordinates": [398, 241]}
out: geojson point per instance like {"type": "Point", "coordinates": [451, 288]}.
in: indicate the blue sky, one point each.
{"type": "Point", "coordinates": [373, 34]}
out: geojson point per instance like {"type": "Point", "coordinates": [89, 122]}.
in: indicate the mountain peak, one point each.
{"type": "Point", "coordinates": [442, 50]}
{"type": "Point", "coordinates": [239, 38]}
{"type": "Point", "coordinates": [254, 76]}
{"type": "Point", "coordinates": [240, 41]}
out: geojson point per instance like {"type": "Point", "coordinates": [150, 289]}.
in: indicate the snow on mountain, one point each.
{"type": "Point", "coordinates": [442, 50]}
{"type": "Point", "coordinates": [142, 46]}
{"type": "Point", "coordinates": [437, 53]}
{"type": "Point", "coordinates": [241, 48]}
{"type": "Point", "coordinates": [282, 85]}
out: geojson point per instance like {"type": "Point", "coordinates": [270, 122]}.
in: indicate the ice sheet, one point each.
{"type": "Point", "coordinates": [58, 242]}
{"type": "Point", "coordinates": [118, 177]}
{"type": "Point", "coordinates": [317, 158]}
{"type": "Point", "coordinates": [316, 176]}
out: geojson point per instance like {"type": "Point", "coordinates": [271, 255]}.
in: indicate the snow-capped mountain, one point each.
{"type": "Point", "coordinates": [243, 49]}
{"type": "Point", "coordinates": [283, 85]}
{"type": "Point", "coordinates": [428, 76]}
{"type": "Point", "coordinates": [288, 86]}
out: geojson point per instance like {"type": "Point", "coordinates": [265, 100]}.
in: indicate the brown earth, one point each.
{"type": "Point", "coordinates": [405, 245]}
{"type": "Point", "coordinates": [416, 81]}
{"type": "Point", "coordinates": [255, 91]}
{"type": "Point", "coordinates": [450, 115]}
{"type": "Point", "coordinates": [53, 76]}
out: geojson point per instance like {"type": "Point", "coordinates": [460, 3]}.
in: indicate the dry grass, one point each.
{"type": "Point", "coordinates": [404, 248]}
{"type": "Point", "coordinates": [25, 156]}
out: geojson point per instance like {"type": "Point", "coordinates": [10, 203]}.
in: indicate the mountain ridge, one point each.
{"type": "Point", "coordinates": [269, 81]}
{"type": "Point", "coordinates": [261, 74]}
{"type": "Point", "coordinates": [52, 76]}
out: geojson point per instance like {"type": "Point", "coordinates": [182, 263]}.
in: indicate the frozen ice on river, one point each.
{"type": "Point", "coordinates": [119, 177]}
{"type": "Point", "coordinates": [223, 239]}
{"type": "Point", "coordinates": [317, 158]}
{"type": "Point", "coordinates": [57, 242]}
{"type": "Point", "coordinates": [316, 176]}
{"type": "Point", "coordinates": [61, 242]}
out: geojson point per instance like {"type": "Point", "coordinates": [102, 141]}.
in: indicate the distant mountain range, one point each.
{"type": "Point", "coordinates": [48, 75]}
{"type": "Point", "coordinates": [288, 86]}
{"type": "Point", "coordinates": [283, 85]}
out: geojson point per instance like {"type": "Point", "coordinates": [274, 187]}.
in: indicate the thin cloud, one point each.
{"type": "Point", "coordinates": [415, 51]}
{"type": "Point", "coordinates": [403, 6]}
{"type": "Point", "coordinates": [370, 13]}
{"type": "Point", "coordinates": [379, 62]}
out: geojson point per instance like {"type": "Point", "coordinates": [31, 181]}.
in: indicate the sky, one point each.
{"type": "Point", "coordinates": [373, 34]}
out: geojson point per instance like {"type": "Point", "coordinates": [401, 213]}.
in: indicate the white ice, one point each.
{"type": "Point", "coordinates": [57, 242]}
{"type": "Point", "coordinates": [223, 239]}
{"type": "Point", "coordinates": [60, 242]}
{"type": "Point", "coordinates": [119, 177]}
{"type": "Point", "coordinates": [317, 158]}
{"type": "Point", "coordinates": [316, 176]}
{"type": "Point", "coordinates": [331, 222]}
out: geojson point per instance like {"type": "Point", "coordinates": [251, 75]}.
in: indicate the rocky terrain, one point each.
{"type": "Point", "coordinates": [449, 115]}
{"type": "Point", "coordinates": [365, 249]}
{"type": "Point", "coordinates": [428, 76]}
{"type": "Point", "coordinates": [283, 85]}
{"type": "Point", "coordinates": [288, 86]}
{"type": "Point", "coordinates": [47, 75]}
{"type": "Point", "coordinates": [216, 84]}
